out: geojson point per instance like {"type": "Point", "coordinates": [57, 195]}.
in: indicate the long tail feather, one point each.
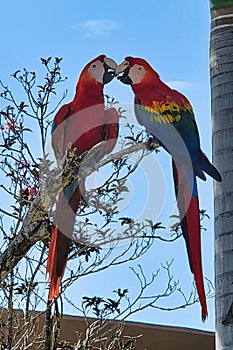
{"type": "Point", "coordinates": [57, 258]}
{"type": "Point", "coordinates": [188, 205]}
{"type": "Point", "coordinates": [61, 241]}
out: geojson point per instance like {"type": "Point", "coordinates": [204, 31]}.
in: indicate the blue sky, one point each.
{"type": "Point", "coordinates": [173, 36]}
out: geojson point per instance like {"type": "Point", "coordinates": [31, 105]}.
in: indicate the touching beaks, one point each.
{"type": "Point", "coordinates": [122, 73]}
{"type": "Point", "coordinates": [110, 67]}
{"type": "Point", "coordinates": [113, 70]}
{"type": "Point", "coordinates": [121, 68]}
{"type": "Point", "coordinates": [110, 63]}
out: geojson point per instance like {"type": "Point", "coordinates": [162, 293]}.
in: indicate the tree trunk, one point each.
{"type": "Point", "coordinates": [221, 75]}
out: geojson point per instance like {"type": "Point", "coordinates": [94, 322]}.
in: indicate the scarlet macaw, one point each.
{"type": "Point", "coordinates": [83, 123]}
{"type": "Point", "coordinates": [169, 117]}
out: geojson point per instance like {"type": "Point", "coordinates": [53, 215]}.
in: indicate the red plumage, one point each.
{"type": "Point", "coordinates": [83, 123]}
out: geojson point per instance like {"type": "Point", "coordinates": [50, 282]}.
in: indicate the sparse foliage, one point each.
{"type": "Point", "coordinates": [30, 182]}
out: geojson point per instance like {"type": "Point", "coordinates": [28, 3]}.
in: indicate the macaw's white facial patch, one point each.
{"type": "Point", "coordinates": [96, 71]}
{"type": "Point", "coordinates": [137, 73]}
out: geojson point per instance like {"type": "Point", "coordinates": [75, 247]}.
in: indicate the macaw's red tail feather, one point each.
{"type": "Point", "coordinates": [187, 201]}
{"type": "Point", "coordinates": [201, 293]}
{"type": "Point", "coordinates": [58, 251]}
{"type": "Point", "coordinates": [52, 250]}
{"type": "Point", "coordinates": [194, 242]}
{"type": "Point", "coordinates": [61, 241]}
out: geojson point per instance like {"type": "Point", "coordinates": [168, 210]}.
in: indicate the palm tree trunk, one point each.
{"type": "Point", "coordinates": [221, 75]}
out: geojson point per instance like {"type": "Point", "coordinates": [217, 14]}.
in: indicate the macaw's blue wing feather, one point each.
{"type": "Point", "coordinates": [176, 130]}
{"type": "Point", "coordinates": [209, 168]}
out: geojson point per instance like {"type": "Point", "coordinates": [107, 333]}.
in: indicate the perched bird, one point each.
{"type": "Point", "coordinates": [169, 117]}
{"type": "Point", "coordinates": [82, 123]}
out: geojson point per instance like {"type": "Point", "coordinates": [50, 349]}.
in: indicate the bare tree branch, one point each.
{"type": "Point", "coordinates": [35, 226]}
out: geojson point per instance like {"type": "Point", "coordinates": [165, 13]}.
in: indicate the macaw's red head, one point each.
{"type": "Point", "coordinates": [135, 70]}
{"type": "Point", "coordinates": [100, 70]}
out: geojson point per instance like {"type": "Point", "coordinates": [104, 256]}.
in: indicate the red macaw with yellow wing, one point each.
{"type": "Point", "coordinates": [169, 117]}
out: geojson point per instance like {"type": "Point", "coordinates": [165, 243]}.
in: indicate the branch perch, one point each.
{"type": "Point", "coordinates": [36, 226]}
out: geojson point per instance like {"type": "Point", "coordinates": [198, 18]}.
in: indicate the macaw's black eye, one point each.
{"type": "Point", "coordinates": [94, 65]}
{"type": "Point", "coordinates": [139, 68]}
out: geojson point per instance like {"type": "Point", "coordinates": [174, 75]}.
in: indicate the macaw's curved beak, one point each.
{"type": "Point", "coordinates": [122, 73]}
{"type": "Point", "coordinates": [110, 67]}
